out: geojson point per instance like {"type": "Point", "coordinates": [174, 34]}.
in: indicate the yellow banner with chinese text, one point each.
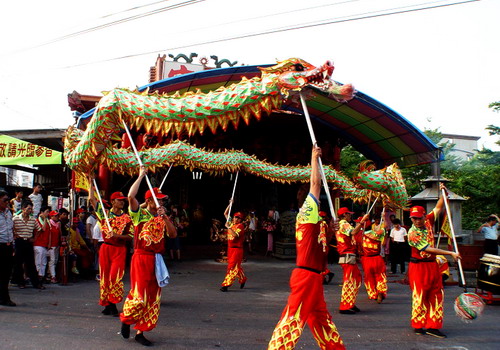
{"type": "Point", "coordinates": [14, 152]}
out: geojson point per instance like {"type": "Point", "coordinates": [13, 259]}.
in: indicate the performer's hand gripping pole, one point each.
{"type": "Point", "coordinates": [320, 163]}
{"type": "Point", "coordinates": [140, 163]}
{"type": "Point", "coordinates": [102, 205]}
{"type": "Point", "coordinates": [232, 197]}
{"type": "Point", "coordinates": [455, 245]}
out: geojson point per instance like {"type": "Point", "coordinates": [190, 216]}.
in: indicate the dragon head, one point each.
{"type": "Point", "coordinates": [294, 74]}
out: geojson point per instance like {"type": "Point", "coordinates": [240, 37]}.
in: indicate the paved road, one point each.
{"type": "Point", "coordinates": [196, 315]}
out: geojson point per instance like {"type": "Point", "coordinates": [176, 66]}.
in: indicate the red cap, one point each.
{"type": "Point", "coordinates": [344, 210]}
{"type": "Point", "coordinates": [417, 212]}
{"type": "Point", "coordinates": [239, 215]}
{"type": "Point", "coordinates": [322, 214]}
{"type": "Point", "coordinates": [157, 193]}
{"type": "Point", "coordinates": [80, 210]}
{"type": "Point", "coordinates": [117, 195]}
{"type": "Point", "coordinates": [53, 213]}
{"type": "Point", "coordinates": [76, 220]}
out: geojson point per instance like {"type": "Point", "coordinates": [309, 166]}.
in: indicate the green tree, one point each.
{"type": "Point", "coordinates": [477, 180]}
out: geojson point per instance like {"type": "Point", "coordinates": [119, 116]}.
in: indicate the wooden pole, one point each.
{"type": "Point", "coordinates": [320, 163]}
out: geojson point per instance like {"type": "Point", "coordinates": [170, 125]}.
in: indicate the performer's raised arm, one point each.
{"type": "Point", "coordinates": [92, 199]}
{"type": "Point", "coordinates": [315, 184]}
{"type": "Point", "coordinates": [132, 193]}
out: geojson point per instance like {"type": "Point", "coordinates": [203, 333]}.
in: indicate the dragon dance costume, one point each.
{"type": "Point", "coordinates": [373, 264]}
{"type": "Point", "coordinates": [235, 255]}
{"type": "Point", "coordinates": [306, 302]}
{"type": "Point", "coordinates": [112, 255]}
{"type": "Point", "coordinates": [346, 246]}
{"type": "Point", "coordinates": [142, 306]}
{"type": "Point", "coordinates": [425, 278]}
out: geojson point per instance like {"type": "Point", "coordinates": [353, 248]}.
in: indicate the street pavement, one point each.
{"type": "Point", "coordinates": [196, 315]}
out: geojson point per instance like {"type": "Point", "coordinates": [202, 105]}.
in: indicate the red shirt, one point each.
{"type": "Point", "coordinates": [236, 241]}
{"type": "Point", "coordinates": [346, 243]}
{"type": "Point", "coordinates": [120, 225]}
{"type": "Point", "coordinates": [150, 231]}
{"type": "Point", "coordinates": [372, 242]}
{"type": "Point", "coordinates": [309, 243]}
{"type": "Point", "coordinates": [43, 235]}
{"type": "Point", "coordinates": [55, 234]}
{"type": "Point", "coordinates": [421, 238]}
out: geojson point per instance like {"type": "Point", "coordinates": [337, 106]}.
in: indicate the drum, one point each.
{"type": "Point", "coordinates": [488, 277]}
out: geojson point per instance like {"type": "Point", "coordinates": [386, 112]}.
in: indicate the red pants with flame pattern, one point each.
{"type": "Point", "coordinates": [427, 295]}
{"type": "Point", "coordinates": [234, 269]}
{"type": "Point", "coordinates": [306, 303]}
{"type": "Point", "coordinates": [111, 270]}
{"type": "Point", "coordinates": [142, 306]}
{"type": "Point", "coordinates": [374, 276]}
{"type": "Point", "coordinates": [350, 286]}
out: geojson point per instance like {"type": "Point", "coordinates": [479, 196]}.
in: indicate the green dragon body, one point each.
{"type": "Point", "coordinates": [195, 111]}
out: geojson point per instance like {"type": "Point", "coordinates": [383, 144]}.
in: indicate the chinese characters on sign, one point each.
{"type": "Point", "coordinates": [15, 150]}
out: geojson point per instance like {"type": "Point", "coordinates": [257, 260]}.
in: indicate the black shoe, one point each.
{"type": "Point", "coordinates": [141, 339]}
{"type": "Point", "coordinates": [8, 303]}
{"type": "Point", "coordinates": [347, 312]}
{"type": "Point", "coordinates": [435, 333]}
{"type": "Point", "coordinates": [113, 311]}
{"type": "Point", "coordinates": [40, 286]}
{"type": "Point", "coordinates": [355, 309]}
{"type": "Point", "coordinates": [330, 277]}
{"type": "Point", "coordinates": [419, 331]}
{"type": "Point", "coordinates": [223, 289]}
{"type": "Point", "coordinates": [107, 310]}
{"type": "Point", "coordinates": [125, 331]}
{"type": "Point", "coordinates": [242, 285]}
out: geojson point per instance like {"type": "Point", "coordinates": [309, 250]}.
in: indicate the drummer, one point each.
{"type": "Point", "coordinates": [490, 232]}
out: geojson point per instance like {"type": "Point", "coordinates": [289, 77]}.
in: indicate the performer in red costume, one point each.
{"type": "Point", "coordinates": [235, 241]}
{"type": "Point", "coordinates": [423, 273]}
{"type": "Point", "coordinates": [373, 264]}
{"type": "Point", "coordinates": [142, 306]}
{"type": "Point", "coordinates": [306, 302]}
{"type": "Point", "coordinates": [113, 252]}
{"type": "Point", "coordinates": [346, 246]}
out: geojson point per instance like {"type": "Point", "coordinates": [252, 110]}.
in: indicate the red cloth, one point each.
{"type": "Point", "coordinates": [425, 278]}
{"type": "Point", "coordinates": [142, 306]}
{"type": "Point", "coordinates": [350, 286]}
{"type": "Point", "coordinates": [236, 241]}
{"type": "Point", "coordinates": [307, 288]}
{"type": "Point", "coordinates": [346, 243]}
{"type": "Point", "coordinates": [375, 277]}
{"type": "Point", "coordinates": [111, 269]}
{"type": "Point", "coordinates": [43, 235]}
{"type": "Point", "coordinates": [418, 239]}
{"type": "Point", "coordinates": [234, 269]}
{"type": "Point", "coordinates": [235, 256]}
{"type": "Point", "coordinates": [55, 236]}
{"type": "Point", "coordinates": [120, 224]}
{"type": "Point", "coordinates": [426, 285]}
{"type": "Point", "coordinates": [307, 296]}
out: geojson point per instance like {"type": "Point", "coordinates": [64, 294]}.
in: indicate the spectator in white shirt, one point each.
{"type": "Point", "coordinates": [399, 246]}
{"type": "Point", "coordinates": [36, 198]}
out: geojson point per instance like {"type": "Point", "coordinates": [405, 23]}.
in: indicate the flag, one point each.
{"type": "Point", "coordinates": [80, 181]}
{"type": "Point", "coordinates": [446, 230]}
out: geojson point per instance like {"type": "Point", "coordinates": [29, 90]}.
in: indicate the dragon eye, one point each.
{"type": "Point", "coordinates": [299, 67]}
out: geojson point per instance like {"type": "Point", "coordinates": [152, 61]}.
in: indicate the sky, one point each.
{"type": "Point", "coordinates": [438, 68]}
